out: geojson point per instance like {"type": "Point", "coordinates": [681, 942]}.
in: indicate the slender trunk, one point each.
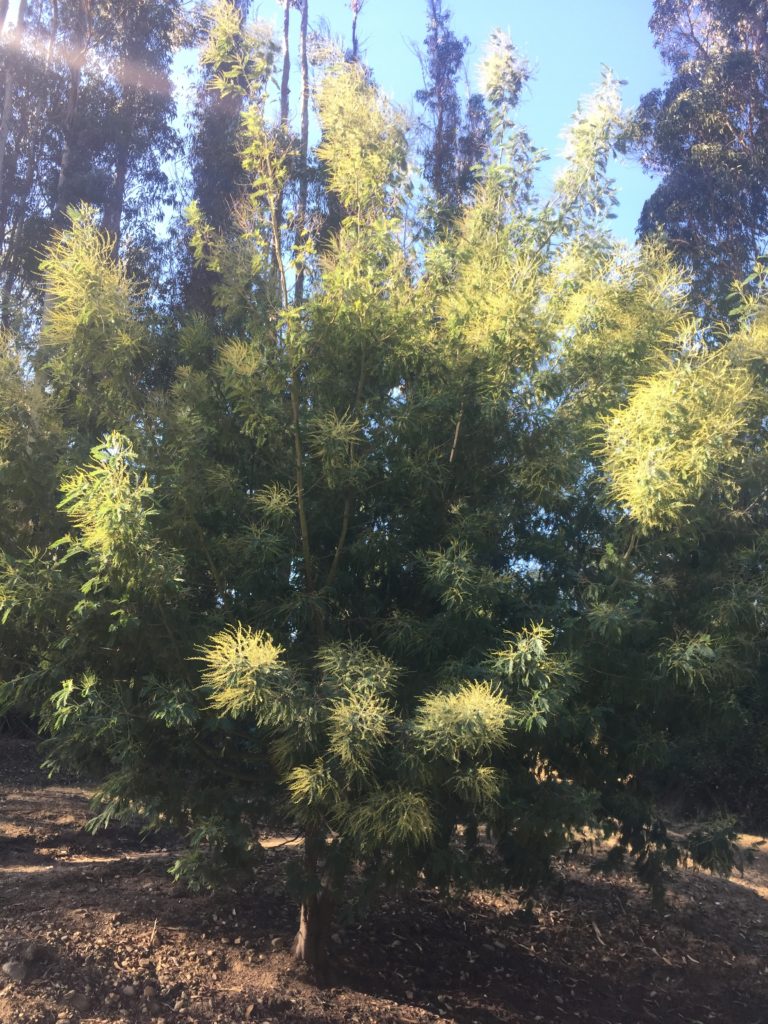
{"type": "Point", "coordinates": [12, 56]}
{"type": "Point", "coordinates": [10, 264]}
{"type": "Point", "coordinates": [3, 13]}
{"type": "Point", "coordinates": [54, 31]}
{"type": "Point", "coordinates": [316, 915]}
{"type": "Point", "coordinates": [311, 942]}
{"type": "Point", "coordinates": [285, 90]}
{"type": "Point", "coordinates": [76, 74]}
{"type": "Point", "coordinates": [113, 209]}
{"type": "Point", "coordinates": [356, 6]}
{"type": "Point", "coordinates": [301, 218]}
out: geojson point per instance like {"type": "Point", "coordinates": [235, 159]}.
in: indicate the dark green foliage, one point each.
{"type": "Point", "coordinates": [706, 133]}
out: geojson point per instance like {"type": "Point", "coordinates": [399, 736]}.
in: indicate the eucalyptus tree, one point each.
{"type": "Point", "coordinates": [704, 133]}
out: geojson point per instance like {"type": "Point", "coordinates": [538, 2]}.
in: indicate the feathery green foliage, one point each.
{"type": "Point", "coordinates": [437, 541]}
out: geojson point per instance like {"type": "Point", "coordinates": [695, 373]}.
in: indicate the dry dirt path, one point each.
{"type": "Point", "coordinates": [100, 935]}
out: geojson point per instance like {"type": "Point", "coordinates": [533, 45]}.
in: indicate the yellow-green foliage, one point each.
{"type": "Point", "coordinates": [473, 720]}
{"type": "Point", "coordinates": [12, 395]}
{"type": "Point", "coordinates": [359, 726]}
{"type": "Point", "coordinates": [350, 669]}
{"type": "Point", "coordinates": [478, 785]}
{"type": "Point", "coordinates": [109, 504]}
{"type": "Point", "coordinates": [676, 438]}
{"type": "Point", "coordinates": [698, 660]}
{"type": "Point", "coordinates": [488, 306]}
{"type": "Point", "coordinates": [312, 788]}
{"type": "Point", "coordinates": [92, 336]}
{"type": "Point", "coordinates": [363, 145]}
{"type": "Point", "coordinates": [526, 658]}
{"type": "Point", "coordinates": [246, 675]}
{"type": "Point", "coordinates": [502, 72]}
{"type": "Point", "coordinates": [611, 309]}
{"type": "Point", "coordinates": [91, 302]}
{"type": "Point", "coordinates": [391, 817]}
{"type": "Point", "coordinates": [237, 54]}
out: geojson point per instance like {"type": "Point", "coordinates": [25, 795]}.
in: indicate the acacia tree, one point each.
{"type": "Point", "coordinates": [353, 571]}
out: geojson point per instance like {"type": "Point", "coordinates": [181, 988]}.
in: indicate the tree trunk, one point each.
{"type": "Point", "coordinates": [113, 208]}
{"type": "Point", "coordinates": [311, 942]}
{"type": "Point", "coordinates": [301, 218]}
{"type": "Point", "coordinates": [312, 939]}
{"type": "Point", "coordinates": [76, 71]}
{"type": "Point", "coordinates": [12, 56]}
{"type": "Point", "coordinates": [286, 78]}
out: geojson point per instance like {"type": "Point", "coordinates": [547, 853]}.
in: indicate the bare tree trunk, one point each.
{"type": "Point", "coordinates": [12, 56]}
{"type": "Point", "coordinates": [54, 30]}
{"type": "Point", "coordinates": [311, 942]}
{"type": "Point", "coordinates": [113, 208]}
{"type": "Point", "coordinates": [356, 6]}
{"type": "Point", "coordinates": [301, 218]}
{"type": "Point", "coordinates": [3, 13]}
{"type": "Point", "coordinates": [312, 939]}
{"type": "Point", "coordinates": [285, 88]}
{"type": "Point", "coordinates": [76, 73]}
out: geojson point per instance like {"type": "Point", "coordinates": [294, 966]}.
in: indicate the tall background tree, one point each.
{"type": "Point", "coordinates": [87, 116]}
{"type": "Point", "coordinates": [705, 134]}
{"type": "Point", "coordinates": [456, 130]}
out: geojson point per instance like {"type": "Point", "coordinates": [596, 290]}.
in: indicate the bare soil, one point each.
{"type": "Point", "coordinates": [94, 931]}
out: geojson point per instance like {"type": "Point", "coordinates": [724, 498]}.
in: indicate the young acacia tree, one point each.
{"type": "Point", "coordinates": [331, 577]}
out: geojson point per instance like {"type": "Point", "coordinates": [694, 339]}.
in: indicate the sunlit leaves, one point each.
{"type": "Point", "coordinates": [363, 146]}
{"type": "Point", "coordinates": [676, 438]}
{"type": "Point", "coordinates": [474, 720]}
{"type": "Point", "coordinates": [391, 818]}
{"type": "Point", "coordinates": [245, 674]}
{"type": "Point", "coordinates": [109, 504]}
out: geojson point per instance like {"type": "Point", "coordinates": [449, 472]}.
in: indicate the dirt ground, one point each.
{"type": "Point", "coordinates": [93, 931]}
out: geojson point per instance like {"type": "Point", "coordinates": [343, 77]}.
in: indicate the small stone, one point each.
{"type": "Point", "coordinates": [128, 991]}
{"type": "Point", "coordinates": [409, 994]}
{"type": "Point", "coordinates": [150, 992]}
{"type": "Point", "coordinates": [35, 952]}
{"type": "Point", "coordinates": [16, 971]}
{"type": "Point", "coordinates": [80, 1002]}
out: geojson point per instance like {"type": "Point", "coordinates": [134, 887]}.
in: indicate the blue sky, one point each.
{"type": "Point", "coordinates": [566, 41]}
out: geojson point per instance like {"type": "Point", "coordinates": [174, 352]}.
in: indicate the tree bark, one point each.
{"type": "Point", "coordinates": [76, 72]}
{"type": "Point", "coordinates": [285, 89]}
{"type": "Point", "coordinates": [12, 56]}
{"type": "Point", "coordinates": [301, 218]}
{"type": "Point", "coordinates": [310, 945]}
{"type": "Point", "coordinates": [113, 209]}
